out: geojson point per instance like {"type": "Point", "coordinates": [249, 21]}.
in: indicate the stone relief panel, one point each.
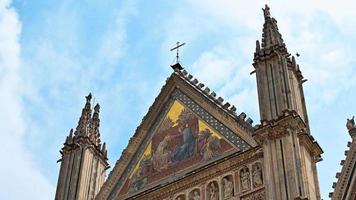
{"type": "Point", "coordinates": [245, 181]}
{"type": "Point", "coordinates": [227, 184]}
{"type": "Point", "coordinates": [259, 195]}
{"type": "Point", "coordinates": [212, 191]}
{"type": "Point", "coordinates": [257, 176]}
{"type": "Point", "coordinates": [195, 195]}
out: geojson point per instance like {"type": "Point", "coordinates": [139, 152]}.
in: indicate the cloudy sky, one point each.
{"type": "Point", "coordinates": [53, 53]}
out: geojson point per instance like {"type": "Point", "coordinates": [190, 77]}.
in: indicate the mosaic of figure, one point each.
{"type": "Point", "coordinates": [195, 195]}
{"type": "Point", "coordinates": [209, 144]}
{"type": "Point", "coordinates": [181, 140]}
{"type": "Point", "coordinates": [187, 147]}
{"type": "Point", "coordinates": [257, 178]}
{"type": "Point", "coordinates": [213, 191]}
{"type": "Point", "coordinates": [245, 179]}
{"type": "Point", "coordinates": [228, 188]}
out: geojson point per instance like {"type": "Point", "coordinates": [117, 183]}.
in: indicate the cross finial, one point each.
{"type": "Point", "coordinates": [177, 66]}
{"type": "Point", "coordinates": [178, 45]}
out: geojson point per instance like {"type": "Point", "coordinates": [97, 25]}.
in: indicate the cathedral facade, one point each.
{"type": "Point", "coordinates": [192, 145]}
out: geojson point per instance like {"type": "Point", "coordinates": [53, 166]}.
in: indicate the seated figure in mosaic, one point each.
{"type": "Point", "coordinates": [186, 149]}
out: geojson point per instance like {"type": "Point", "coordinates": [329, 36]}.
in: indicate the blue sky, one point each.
{"type": "Point", "coordinates": [53, 53]}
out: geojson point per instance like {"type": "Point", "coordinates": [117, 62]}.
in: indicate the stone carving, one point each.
{"type": "Point", "coordinates": [213, 191]}
{"type": "Point", "coordinates": [259, 195]}
{"type": "Point", "coordinates": [181, 197]}
{"type": "Point", "coordinates": [350, 124]}
{"type": "Point", "coordinates": [266, 11]}
{"type": "Point", "coordinates": [257, 177]}
{"type": "Point", "coordinates": [228, 188]}
{"type": "Point", "coordinates": [195, 195]}
{"type": "Point", "coordinates": [245, 179]}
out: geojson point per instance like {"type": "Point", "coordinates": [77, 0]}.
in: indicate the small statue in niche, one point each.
{"type": "Point", "coordinates": [257, 175]}
{"type": "Point", "coordinates": [245, 179]}
{"type": "Point", "coordinates": [350, 124]}
{"type": "Point", "coordinates": [213, 192]}
{"type": "Point", "coordinates": [196, 195]}
{"type": "Point", "coordinates": [228, 188]}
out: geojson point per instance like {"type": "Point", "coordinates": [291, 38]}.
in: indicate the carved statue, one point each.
{"type": "Point", "coordinates": [228, 188]}
{"type": "Point", "coordinates": [213, 192]}
{"type": "Point", "coordinates": [195, 196]}
{"type": "Point", "coordinates": [350, 124]}
{"type": "Point", "coordinates": [257, 178]}
{"type": "Point", "coordinates": [245, 179]}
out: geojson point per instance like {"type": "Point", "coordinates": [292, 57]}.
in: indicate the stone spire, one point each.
{"type": "Point", "coordinates": [83, 124]}
{"type": "Point", "coordinates": [284, 131]}
{"type": "Point", "coordinates": [94, 126]}
{"type": "Point", "coordinates": [278, 75]}
{"type": "Point", "coordinates": [270, 36]}
{"type": "Point", "coordinates": [84, 158]}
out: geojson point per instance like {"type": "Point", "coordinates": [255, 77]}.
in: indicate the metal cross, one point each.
{"type": "Point", "coordinates": [177, 48]}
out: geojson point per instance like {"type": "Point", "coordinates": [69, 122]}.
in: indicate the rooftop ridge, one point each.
{"type": "Point", "coordinates": [244, 121]}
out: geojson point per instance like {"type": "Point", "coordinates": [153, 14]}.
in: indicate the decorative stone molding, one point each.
{"type": "Point", "coordinates": [258, 195]}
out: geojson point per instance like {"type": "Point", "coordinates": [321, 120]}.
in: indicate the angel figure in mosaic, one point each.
{"type": "Point", "coordinates": [162, 156]}
{"type": "Point", "coordinates": [211, 148]}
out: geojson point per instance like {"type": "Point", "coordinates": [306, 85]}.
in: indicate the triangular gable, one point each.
{"type": "Point", "coordinates": [182, 141]}
{"type": "Point", "coordinates": [183, 136]}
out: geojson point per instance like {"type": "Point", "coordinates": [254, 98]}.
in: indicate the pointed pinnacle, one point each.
{"type": "Point", "coordinates": [97, 108]}
{"type": "Point", "coordinates": [258, 46]}
{"type": "Point", "coordinates": [71, 133]}
{"type": "Point", "coordinates": [88, 98]}
{"type": "Point", "coordinates": [104, 147]}
{"type": "Point", "coordinates": [266, 11]}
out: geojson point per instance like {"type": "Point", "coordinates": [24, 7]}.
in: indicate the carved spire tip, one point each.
{"type": "Point", "coordinates": [88, 97]}
{"type": "Point", "coordinates": [97, 108]}
{"type": "Point", "coordinates": [266, 11]}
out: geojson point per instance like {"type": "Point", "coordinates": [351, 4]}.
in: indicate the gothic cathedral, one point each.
{"type": "Point", "coordinates": [191, 145]}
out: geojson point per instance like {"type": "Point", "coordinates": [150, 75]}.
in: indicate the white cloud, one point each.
{"type": "Point", "coordinates": [20, 178]}
{"type": "Point", "coordinates": [213, 69]}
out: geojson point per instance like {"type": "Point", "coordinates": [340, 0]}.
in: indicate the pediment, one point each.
{"type": "Point", "coordinates": [182, 137]}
